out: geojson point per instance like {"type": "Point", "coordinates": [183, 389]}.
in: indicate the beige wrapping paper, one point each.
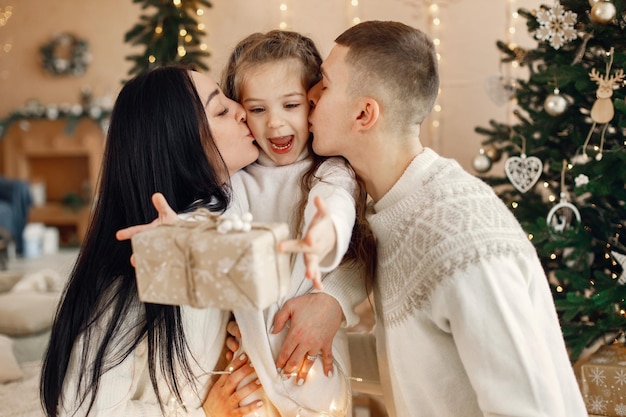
{"type": "Point", "coordinates": [603, 381]}
{"type": "Point", "coordinates": [191, 263]}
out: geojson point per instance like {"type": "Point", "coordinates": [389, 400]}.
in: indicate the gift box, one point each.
{"type": "Point", "coordinates": [603, 381]}
{"type": "Point", "coordinates": [207, 260]}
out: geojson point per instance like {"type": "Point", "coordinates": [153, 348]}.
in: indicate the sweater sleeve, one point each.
{"type": "Point", "coordinates": [346, 285]}
{"type": "Point", "coordinates": [337, 187]}
{"type": "Point", "coordinates": [502, 318]}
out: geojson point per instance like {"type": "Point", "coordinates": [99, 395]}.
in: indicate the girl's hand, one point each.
{"type": "Point", "coordinates": [224, 397]}
{"type": "Point", "coordinates": [319, 241]}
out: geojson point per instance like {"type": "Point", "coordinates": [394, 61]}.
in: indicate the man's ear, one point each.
{"type": "Point", "coordinates": [369, 113]}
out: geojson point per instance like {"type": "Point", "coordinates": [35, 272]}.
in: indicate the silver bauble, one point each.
{"type": "Point", "coordinates": [603, 12]}
{"type": "Point", "coordinates": [555, 104]}
{"type": "Point", "coordinates": [482, 163]}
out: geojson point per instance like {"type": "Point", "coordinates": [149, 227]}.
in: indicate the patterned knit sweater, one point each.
{"type": "Point", "coordinates": [466, 324]}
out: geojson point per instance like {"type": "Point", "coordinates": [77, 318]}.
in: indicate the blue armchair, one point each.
{"type": "Point", "coordinates": [15, 203]}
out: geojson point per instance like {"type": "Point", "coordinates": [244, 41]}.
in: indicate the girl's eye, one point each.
{"type": "Point", "coordinates": [256, 110]}
{"type": "Point", "coordinates": [292, 105]}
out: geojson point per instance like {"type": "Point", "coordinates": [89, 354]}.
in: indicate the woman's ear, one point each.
{"type": "Point", "coordinates": [369, 113]}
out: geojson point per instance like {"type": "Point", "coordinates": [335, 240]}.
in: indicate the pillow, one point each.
{"type": "Point", "coordinates": [8, 280]}
{"type": "Point", "coordinates": [9, 368]}
{"type": "Point", "coordinates": [23, 313]}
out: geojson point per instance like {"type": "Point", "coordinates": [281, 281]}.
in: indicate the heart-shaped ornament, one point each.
{"type": "Point", "coordinates": [523, 171]}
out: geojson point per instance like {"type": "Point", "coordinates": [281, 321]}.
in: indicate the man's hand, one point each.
{"type": "Point", "coordinates": [314, 321]}
{"type": "Point", "coordinates": [165, 216]}
{"type": "Point", "coordinates": [319, 241]}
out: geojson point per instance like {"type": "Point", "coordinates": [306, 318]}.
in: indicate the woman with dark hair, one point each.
{"type": "Point", "coordinates": [172, 131]}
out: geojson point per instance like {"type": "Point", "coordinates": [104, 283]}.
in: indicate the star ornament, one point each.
{"type": "Point", "coordinates": [621, 259]}
{"type": "Point", "coordinates": [556, 25]}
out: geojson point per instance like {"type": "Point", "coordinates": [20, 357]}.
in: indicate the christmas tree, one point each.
{"type": "Point", "coordinates": [170, 35]}
{"type": "Point", "coordinates": [565, 164]}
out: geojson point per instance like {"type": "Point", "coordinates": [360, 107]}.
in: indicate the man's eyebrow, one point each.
{"type": "Point", "coordinates": [213, 94]}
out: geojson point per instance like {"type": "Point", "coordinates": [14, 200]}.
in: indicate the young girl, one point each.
{"type": "Point", "coordinates": [270, 74]}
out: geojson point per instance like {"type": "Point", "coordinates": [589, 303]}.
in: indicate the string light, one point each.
{"type": "Point", "coordinates": [284, 15]}
{"type": "Point", "coordinates": [5, 15]}
{"type": "Point", "coordinates": [353, 12]}
{"type": "Point", "coordinates": [435, 27]}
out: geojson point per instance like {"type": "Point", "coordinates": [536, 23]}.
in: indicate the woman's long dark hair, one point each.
{"type": "Point", "coordinates": [158, 141]}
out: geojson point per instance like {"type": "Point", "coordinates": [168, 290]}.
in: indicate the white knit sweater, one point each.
{"type": "Point", "coordinates": [466, 325]}
{"type": "Point", "coordinates": [126, 389]}
{"type": "Point", "coordinates": [271, 193]}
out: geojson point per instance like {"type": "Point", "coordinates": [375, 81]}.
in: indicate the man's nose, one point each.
{"type": "Point", "coordinates": [314, 94]}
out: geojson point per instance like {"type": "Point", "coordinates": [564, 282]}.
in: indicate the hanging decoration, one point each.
{"type": "Point", "coordinates": [523, 171]}
{"type": "Point", "coordinates": [66, 54]}
{"type": "Point", "coordinates": [556, 25]}
{"type": "Point", "coordinates": [602, 111]}
{"type": "Point", "coordinates": [603, 12]}
{"type": "Point", "coordinates": [555, 103]}
{"type": "Point", "coordinates": [482, 163]}
{"type": "Point", "coordinates": [563, 213]}
{"type": "Point", "coordinates": [621, 259]}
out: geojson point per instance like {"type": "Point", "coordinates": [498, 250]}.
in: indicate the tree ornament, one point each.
{"type": "Point", "coordinates": [592, 2]}
{"type": "Point", "coordinates": [555, 104]}
{"type": "Point", "coordinates": [563, 213]}
{"type": "Point", "coordinates": [523, 171]}
{"type": "Point", "coordinates": [500, 89]}
{"type": "Point", "coordinates": [602, 111]}
{"type": "Point", "coordinates": [494, 153]}
{"type": "Point", "coordinates": [603, 12]}
{"type": "Point", "coordinates": [482, 163]}
{"type": "Point", "coordinates": [621, 259]}
{"type": "Point", "coordinates": [556, 25]}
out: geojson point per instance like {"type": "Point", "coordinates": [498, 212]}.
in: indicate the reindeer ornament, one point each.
{"type": "Point", "coordinates": [602, 111]}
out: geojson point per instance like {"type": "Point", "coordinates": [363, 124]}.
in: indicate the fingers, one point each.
{"type": "Point", "coordinates": [129, 232]}
{"type": "Point", "coordinates": [294, 245]}
{"type": "Point", "coordinates": [281, 318]}
{"type": "Point", "coordinates": [307, 364]}
{"type": "Point", "coordinates": [233, 329]}
{"type": "Point", "coordinates": [162, 207]}
{"type": "Point", "coordinates": [312, 262]}
{"type": "Point", "coordinates": [327, 360]}
{"type": "Point", "coordinates": [232, 344]}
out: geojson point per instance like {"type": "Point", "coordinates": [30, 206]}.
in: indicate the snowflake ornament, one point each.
{"type": "Point", "coordinates": [556, 25]}
{"type": "Point", "coordinates": [581, 180]}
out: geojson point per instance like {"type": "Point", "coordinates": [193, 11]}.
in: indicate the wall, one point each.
{"type": "Point", "coordinates": [468, 32]}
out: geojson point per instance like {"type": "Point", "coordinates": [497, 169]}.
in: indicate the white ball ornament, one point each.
{"type": "Point", "coordinates": [603, 12]}
{"type": "Point", "coordinates": [592, 2]}
{"type": "Point", "coordinates": [482, 163]}
{"type": "Point", "coordinates": [555, 104]}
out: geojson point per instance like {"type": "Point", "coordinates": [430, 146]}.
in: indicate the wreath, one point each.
{"type": "Point", "coordinates": [66, 55]}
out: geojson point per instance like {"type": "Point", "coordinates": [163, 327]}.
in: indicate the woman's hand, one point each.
{"type": "Point", "coordinates": [165, 216]}
{"type": "Point", "coordinates": [224, 397]}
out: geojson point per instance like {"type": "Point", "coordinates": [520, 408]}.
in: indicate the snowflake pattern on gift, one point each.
{"type": "Point", "coordinates": [597, 376]}
{"type": "Point", "coordinates": [620, 377]}
{"type": "Point", "coordinates": [597, 404]}
{"type": "Point", "coordinates": [556, 25]}
{"type": "Point", "coordinates": [620, 410]}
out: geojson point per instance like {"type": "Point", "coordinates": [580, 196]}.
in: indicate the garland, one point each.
{"type": "Point", "coordinates": [73, 62]}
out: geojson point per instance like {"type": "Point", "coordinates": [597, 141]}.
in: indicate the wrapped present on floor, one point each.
{"type": "Point", "coordinates": [207, 260]}
{"type": "Point", "coordinates": [603, 381]}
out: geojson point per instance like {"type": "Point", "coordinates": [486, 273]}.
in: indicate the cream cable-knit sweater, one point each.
{"type": "Point", "coordinates": [126, 390]}
{"type": "Point", "coordinates": [466, 324]}
{"type": "Point", "coordinates": [271, 193]}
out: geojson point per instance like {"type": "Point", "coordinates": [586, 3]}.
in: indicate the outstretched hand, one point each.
{"type": "Point", "coordinates": [165, 216]}
{"type": "Point", "coordinates": [318, 242]}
